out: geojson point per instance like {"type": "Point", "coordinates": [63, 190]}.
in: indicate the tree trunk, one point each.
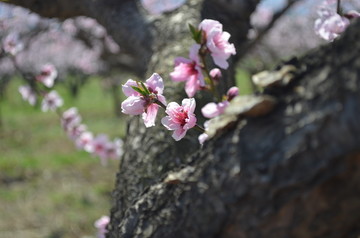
{"type": "Point", "coordinates": [292, 173]}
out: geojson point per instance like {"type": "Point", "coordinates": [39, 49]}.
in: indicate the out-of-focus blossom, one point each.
{"type": "Point", "coordinates": [111, 45]}
{"type": "Point", "coordinates": [146, 105]}
{"type": "Point", "coordinates": [28, 94]}
{"type": "Point", "coordinates": [217, 41]}
{"type": "Point", "coordinates": [75, 131]}
{"type": "Point", "coordinates": [51, 101]}
{"type": "Point", "coordinates": [12, 44]}
{"type": "Point", "coordinates": [91, 25]}
{"type": "Point", "coordinates": [212, 109]}
{"type": "Point", "coordinates": [330, 24]}
{"type": "Point", "coordinates": [114, 149]}
{"type": "Point", "coordinates": [232, 92]}
{"type": "Point", "coordinates": [84, 141]}
{"type": "Point", "coordinates": [331, 27]}
{"type": "Point", "coordinates": [100, 146]}
{"type": "Point", "coordinates": [101, 225]}
{"type": "Point", "coordinates": [216, 74]}
{"type": "Point", "coordinates": [156, 7]}
{"type": "Point", "coordinates": [352, 14]}
{"type": "Point", "coordinates": [180, 118]}
{"type": "Point", "coordinates": [189, 70]}
{"type": "Point", "coordinates": [261, 17]}
{"type": "Point", "coordinates": [69, 27]}
{"type": "Point", "coordinates": [47, 75]}
{"type": "Point", "coordinates": [203, 137]}
{"type": "Point", "coordinates": [70, 118]}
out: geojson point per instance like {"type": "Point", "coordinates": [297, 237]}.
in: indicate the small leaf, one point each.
{"type": "Point", "coordinates": [139, 90]}
{"type": "Point", "coordinates": [192, 30]}
{"type": "Point", "coordinates": [197, 36]}
{"type": "Point", "coordinates": [195, 33]}
{"type": "Point", "coordinates": [145, 88]}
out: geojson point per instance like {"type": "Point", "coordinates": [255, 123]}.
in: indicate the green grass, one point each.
{"type": "Point", "coordinates": [47, 187]}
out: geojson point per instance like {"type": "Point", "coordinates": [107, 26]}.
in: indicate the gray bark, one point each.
{"type": "Point", "coordinates": [292, 173]}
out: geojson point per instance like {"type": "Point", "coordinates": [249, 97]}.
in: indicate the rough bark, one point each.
{"type": "Point", "coordinates": [292, 173]}
{"type": "Point", "coordinates": [151, 153]}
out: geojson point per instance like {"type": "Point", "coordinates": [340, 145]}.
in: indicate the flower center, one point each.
{"type": "Point", "coordinates": [181, 117]}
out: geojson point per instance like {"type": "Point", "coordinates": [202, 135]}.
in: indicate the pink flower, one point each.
{"type": "Point", "coordinates": [100, 147]}
{"type": "Point", "coordinates": [28, 94]}
{"type": "Point", "coordinates": [12, 45]}
{"type": "Point", "coordinates": [47, 75]}
{"type": "Point", "coordinates": [216, 74]}
{"type": "Point", "coordinates": [352, 14]}
{"type": "Point", "coordinates": [114, 149]}
{"type": "Point", "coordinates": [232, 92]}
{"type": "Point", "coordinates": [75, 131]}
{"type": "Point", "coordinates": [202, 138]}
{"type": "Point", "coordinates": [101, 225]}
{"type": "Point", "coordinates": [180, 118]}
{"type": "Point", "coordinates": [84, 141]}
{"type": "Point", "coordinates": [261, 17]}
{"type": "Point", "coordinates": [133, 105]}
{"type": "Point", "coordinates": [70, 118]}
{"type": "Point", "coordinates": [217, 41]}
{"type": "Point", "coordinates": [329, 25]}
{"type": "Point", "coordinates": [51, 101]}
{"type": "Point", "coordinates": [189, 70]}
{"type": "Point", "coordinates": [212, 109]}
{"type": "Point", "coordinates": [137, 104]}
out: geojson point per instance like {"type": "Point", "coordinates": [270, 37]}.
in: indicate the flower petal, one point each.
{"type": "Point", "coordinates": [150, 115]}
{"type": "Point", "coordinates": [210, 110]}
{"type": "Point", "coordinates": [169, 123]}
{"type": "Point", "coordinates": [128, 90]}
{"type": "Point", "coordinates": [133, 105]}
{"type": "Point", "coordinates": [179, 134]}
{"type": "Point", "coordinates": [189, 104]}
{"type": "Point", "coordinates": [155, 83]}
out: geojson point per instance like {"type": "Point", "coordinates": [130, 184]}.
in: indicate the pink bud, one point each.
{"type": "Point", "coordinates": [216, 74]}
{"type": "Point", "coordinates": [232, 92]}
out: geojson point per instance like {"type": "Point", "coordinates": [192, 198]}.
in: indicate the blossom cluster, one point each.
{"type": "Point", "coordinates": [99, 145]}
{"type": "Point", "coordinates": [78, 45]}
{"type": "Point", "coordinates": [331, 23]}
{"type": "Point", "coordinates": [145, 98]}
{"type": "Point", "coordinates": [210, 39]}
{"type": "Point", "coordinates": [51, 100]}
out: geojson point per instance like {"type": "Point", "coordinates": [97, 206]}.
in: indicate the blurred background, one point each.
{"type": "Point", "coordinates": [49, 188]}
